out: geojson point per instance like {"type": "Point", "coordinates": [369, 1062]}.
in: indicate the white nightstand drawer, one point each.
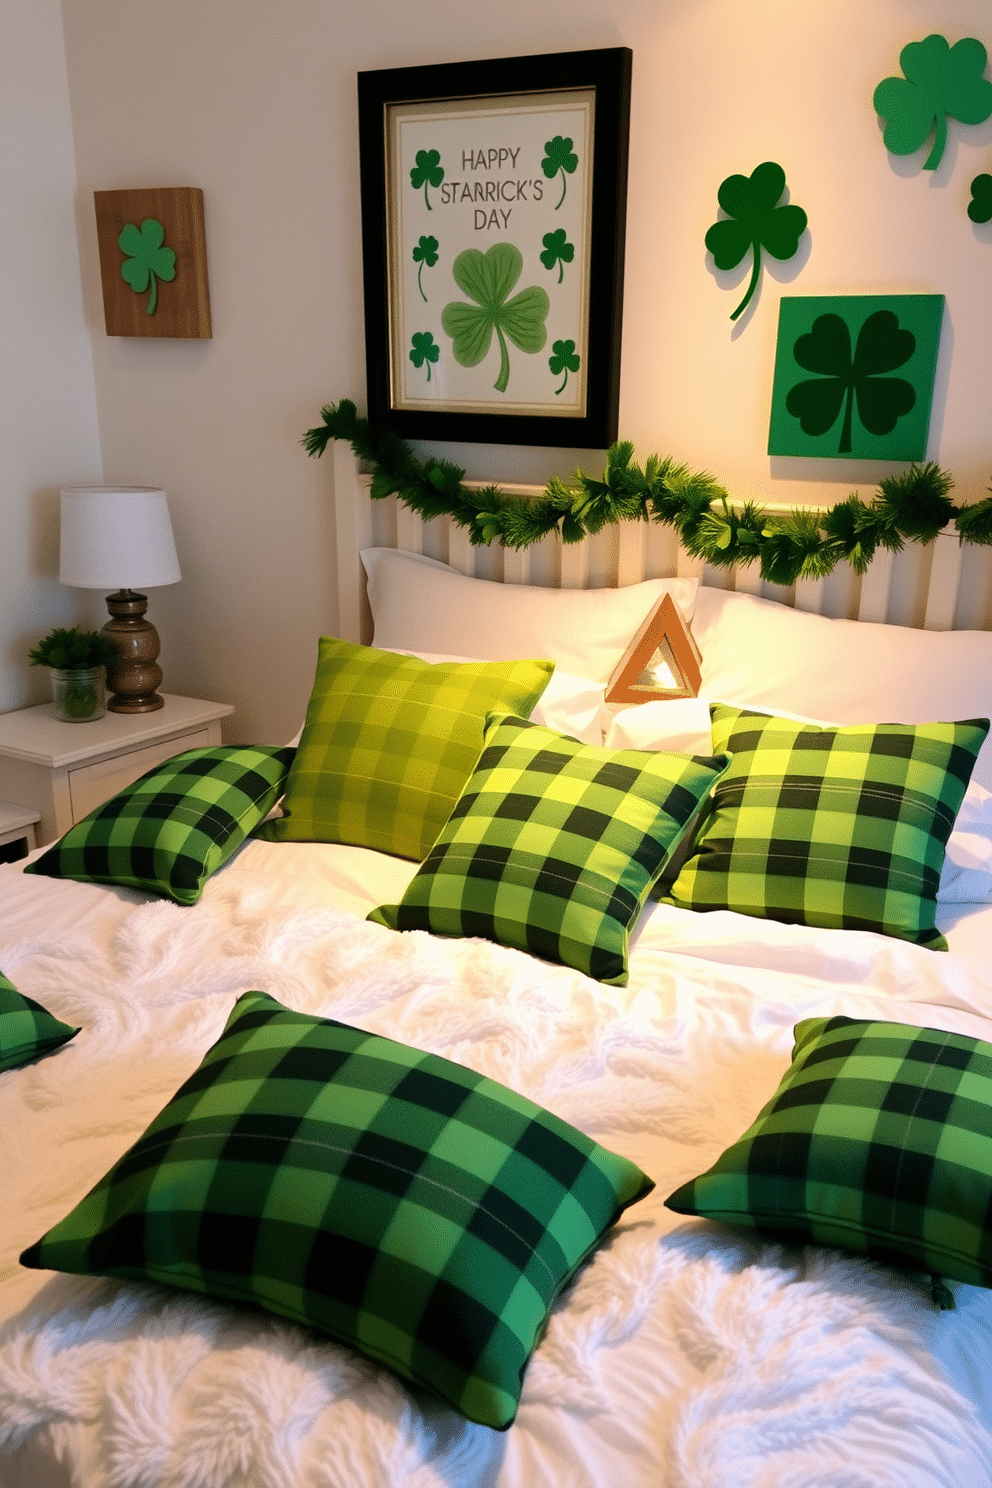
{"type": "Point", "coordinates": [91, 785]}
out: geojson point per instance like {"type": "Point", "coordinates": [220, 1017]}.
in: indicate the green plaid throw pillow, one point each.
{"type": "Point", "coordinates": [878, 1141]}
{"type": "Point", "coordinates": [403, 1204]}
{"type": "Point", "coordinates": [839, 827]}
{"type": "Point", "coordinates": [175, 826]}
{"type": "Point", "coordinates": [389, 742]}
{"type": "Point", "coordinates": [553, 846]}
{"type": "Point", "coordinates": [26, 1030]}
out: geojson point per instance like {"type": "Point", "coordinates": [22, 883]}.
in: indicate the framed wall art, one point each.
{"type": "Point", "coordinates": [493, 212]}
{"type": "Point", "coordinates": [153, 261]}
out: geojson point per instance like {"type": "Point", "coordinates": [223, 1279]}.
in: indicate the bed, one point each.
{"type": "Point", "coordinates": [677, 1348]}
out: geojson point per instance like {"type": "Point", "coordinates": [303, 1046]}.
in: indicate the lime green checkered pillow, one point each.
{"type": "Point", "coordinates": [403, 1204]}
{"type": "Point", "coordinates": [175, 826]}
{"type": "Point", "coordinates": [388, 743]}
{"type": "Point", "coordinates": [838, 827]}
{"type": "Point", "coordinates": [877, 1141]}
{"type": "Point", "coordinates": [554, 846]}
{"type": "Point", "coordinates": [26, 1030]}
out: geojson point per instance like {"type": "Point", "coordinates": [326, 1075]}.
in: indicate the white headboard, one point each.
{"type": "Point", "coordinates": [939, 587]}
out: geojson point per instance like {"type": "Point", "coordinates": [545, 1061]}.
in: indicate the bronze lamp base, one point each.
{"type": "Point", "coordinates": [132, 680]}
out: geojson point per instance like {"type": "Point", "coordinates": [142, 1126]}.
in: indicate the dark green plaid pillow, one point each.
{"type": "Point", "coordinates": [400, 1203]}
{"type": "Point", "coordinates": [389, 742]}
{"type": "Point", "coordinates": [26, 1030]}
{"type": "Point", "coordinates": [554, 846]}
{"type": "Point", "coordinates": [878, 1141]}
{"type": "Point", "coordinates": [839, 827]}
{"type": "Point", "coordinates": [175, 826]}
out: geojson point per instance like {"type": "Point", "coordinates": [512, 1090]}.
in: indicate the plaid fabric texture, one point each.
{"type": "Point", "coordinates": [403, 1204]}
{"type": "Point", "coordinates": [838, 827]}
{"type": "Point", "coordinates": [26, 1030]}
{"type": "Point", "coordinates": [175, 826]}
{"type": "Point", "coordinates": [554, 846]}
{"type": "Point", "coordinates": [389, 742]}
{"type": "Point", "coordinates": [878, 1141]}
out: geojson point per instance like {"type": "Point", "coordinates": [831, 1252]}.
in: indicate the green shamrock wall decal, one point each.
{"type": "Point", "coordinates": [487, 278]}
{"type": "Point", "coordinates": [557, 250]}
{"type": "Point", "coordinates": [146, 259]}
{"type": "Point", "coordinates": [980, 206]}
{"type": "Point", "coordinates": [754, 220]}
{"type": "Point", "coordinates": [424, 349]}
{"type": "Point", "coordinates": [425, 253]}
{"type": "Point", "coordinates": [565, 360]}
{"type": "Point", "coordinates": [940, 80]}
{"type": "Point", "coordinates": [882, 346]}
{"type": "Point", "coordinates": [428, 171]}
{"type": "Point", "coordinates": [559, 157]}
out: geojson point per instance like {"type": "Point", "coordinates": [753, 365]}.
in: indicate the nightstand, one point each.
{"type": "Point", "coordinates": [64, 770]}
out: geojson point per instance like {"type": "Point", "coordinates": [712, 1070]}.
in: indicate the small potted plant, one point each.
{"type": "Point", "coordinates": [77, 659]}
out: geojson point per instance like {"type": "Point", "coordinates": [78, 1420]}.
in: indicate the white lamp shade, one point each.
{"type": "Point", "coordinates": [116, 537]}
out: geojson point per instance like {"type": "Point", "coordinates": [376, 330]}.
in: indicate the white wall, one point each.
{"type": "Point", "coordinates": [254, 101]}
{"type": "Point", "coordinates": [48, 425]}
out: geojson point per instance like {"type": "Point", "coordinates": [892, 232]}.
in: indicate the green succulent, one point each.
{"type": "Point", "coordinates": [73, 650]}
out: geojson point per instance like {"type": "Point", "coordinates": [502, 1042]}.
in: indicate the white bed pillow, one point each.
{"type": "Point", "coordinates": [762, 654]}
{"type": "Point", "coordinates": [572, 705]}
{"type": "Point", "coordinates": [419, 603]}
{"type": "Point", "coordinates": [682, 726]}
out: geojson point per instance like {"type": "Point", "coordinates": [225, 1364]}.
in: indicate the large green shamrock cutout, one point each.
{"type": "Point", "coordinates": [559, 157]}
{"type": "Point", "coordinates": [939, 80]}
{"type": "Point", "coordinates": [487, 278]}
{"type": "Point", "coordinates": [882, 347]}
{"type": "Point", "coordinates": [565, 360]}
{"type": "Point", "coordinates": [145, 259]}
{"type": "Point", "coordinates": [754, 220]}
{"type": "Point", "coordinates": [557, 250]}
{"type": "Point", "coordinates": [980, 206]}
{"type": "Point", "coordinates": [423, 348]}
{"type": "Point", "coordinates": [428, 171]}
{"type": "Point", "coordinates": [425, 253]}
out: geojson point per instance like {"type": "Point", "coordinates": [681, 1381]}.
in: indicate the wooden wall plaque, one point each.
{"type": "Point", "coordinates": [153, 261]}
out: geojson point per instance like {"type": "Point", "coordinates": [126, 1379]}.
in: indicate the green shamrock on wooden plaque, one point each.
{"type": "Point", "coordinates": [853, 406]}
{"type": "Point", "coordinates": [559, 159]}
{"type": "Point", "coordinates": [754, 220]}
{"type": "Point", "coordinates": [487, 279]}
{"type": "Point", "coordinates": [146, 259]}
{"type": "Point", "coordinates": [939, 82]}
{"type": "Point", "coordinates": [428, 171]}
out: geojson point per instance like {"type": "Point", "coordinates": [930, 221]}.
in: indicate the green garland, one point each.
{"type": "Point", "coordinates": [911, 507]}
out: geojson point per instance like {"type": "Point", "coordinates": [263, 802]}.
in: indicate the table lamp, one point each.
{"type": "Point", "coordinates": [120, 538]}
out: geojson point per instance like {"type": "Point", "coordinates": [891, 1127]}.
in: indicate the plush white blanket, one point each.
{"type": "Point", "coordinates": [684, 1356]}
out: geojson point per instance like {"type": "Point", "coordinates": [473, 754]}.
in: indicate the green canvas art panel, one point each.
{"type": "Point", "coordinates": [854, 376]}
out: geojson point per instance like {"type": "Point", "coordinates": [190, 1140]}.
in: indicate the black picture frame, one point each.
{"type": "Point", "coordinates": [508, 99]}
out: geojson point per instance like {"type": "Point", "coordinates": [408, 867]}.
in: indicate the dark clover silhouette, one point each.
{"type": "Point", "coordinates": [939, 81]}
{"type": "Point", "coordinates": [487, 278]}
{"type": "Point", "coordinates": [882, 346]}
{"type": "Point", "coordinates": [557, 250]}
{"type": "Point", "coordinates": [428, 171]}
{"type": "Point", "coordinates": [754, 220]}
{"type": "Point", "coordinates": [146, 259]}
{"type": "Point", "coordinates": [425, 253]}
{"type": "Point", "coordinates": [559, 157]}
{"type": "Point", "coordinates": [980, 206]}
{"type": "Point", "coordinates": [565, 360]}
{"type": "Point", "coordinates": [423, 348]}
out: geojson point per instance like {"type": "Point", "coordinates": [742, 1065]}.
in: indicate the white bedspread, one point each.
{"type": "Point", "coordinates": [684, 1356]}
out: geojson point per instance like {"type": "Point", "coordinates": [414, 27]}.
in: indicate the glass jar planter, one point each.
{"type": "Point", "coordinates": [79, 695]}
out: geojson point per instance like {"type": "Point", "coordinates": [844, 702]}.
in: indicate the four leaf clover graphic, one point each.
{"type": "Point", "coordinates": [423, 349]}
{"type": "Point", "coordinates": [564, 360]}
{"type": "Point", "coordinates": [487, 278]}
{"type": "Point", "coordinates": [146, 259]}
{"type": "Point", "coordinates": [425, 253]}
{"type": "Point", "coordinates": [754, 220]}
{"type": "Point", "coordinates": [428, 171]}
{"type": "Point", "coordinates": [939, 80]}
{"type": "Point", "coordinates": [881, 347]}
{"type": "Point", "coordinates": [557, 250]}
{"type": "Point", "coordinates": [559, 156]}
{"type": "Point", "coordinates": [980, 206]}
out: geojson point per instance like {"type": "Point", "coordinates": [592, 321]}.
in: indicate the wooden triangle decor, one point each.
{"type": "Point", "coordinates": [662, 660]}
